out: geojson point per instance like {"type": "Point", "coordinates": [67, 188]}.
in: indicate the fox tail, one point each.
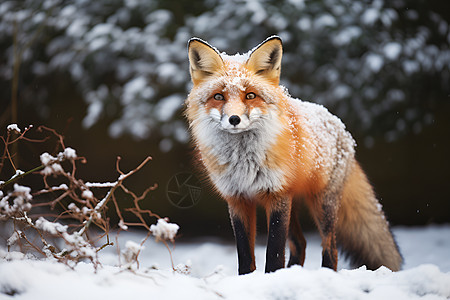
{"type": "Point", "coordinates": [363, 232]}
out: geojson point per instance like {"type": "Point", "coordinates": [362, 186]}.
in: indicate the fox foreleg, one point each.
{"type": "Point", "coordinates": [278, 216]}
{"type": "Point", "coordinates": [243, 220]}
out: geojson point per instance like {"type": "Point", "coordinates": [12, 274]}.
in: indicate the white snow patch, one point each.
{"type": "Point", "coordinates": [392, 50]}
{"type": "Point", "coordinates": [70, 153]}
{"type": "Point", "coordinates": [87, 194]}
{"type": "Point", "coordinates": [74, 208]}
{"type": "Point", "coordinates": [47, 158]}
{"type": "Point", "coordinates": [23, 191]}
{"type": "Point", "coordinates": [213, 270]}
{"type": "Point", "coordinates": [54, 168]}
{"type": "Point", "coordinates": [325, 20]}
{"type": "Point", "coordinates": [304, 24]}
{"type": "Point", "coordinates": [166, 107]}
{"type": "Point", "coordinates": [341, 91]}
{"type": "Point", "coordinates": [13, 127]}
{"type": "Point", "coordinates": [95, 108]}
{"type": "Point", "coordinates": [347, 35]}
{"type": "Point", "coordinates": [18, 173]}
{"type": "Point", "coordinates": [50, 227]}
{"type": "Point", "coordinates": [136, 88]}
{"type": "Point", "coordinates": [131, 252]}
{"type": "Point", "coordinates": [122, 225]}
{"type": "Point", "coordinates": [13, 238]}
{"type": "Point", "coordinates": [100, 184]}
{"type": "Point", "coordinates": [21, 202]}
{"type": "Point", "coordinates": [375, 62]}
{"type": "Point", "coordinates": [370, 16]}
{"type": "Point", "coordinates": [164, 230]}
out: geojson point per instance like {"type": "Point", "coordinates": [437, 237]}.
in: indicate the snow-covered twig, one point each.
{"type": "Point", "coordinates": [79, 201]}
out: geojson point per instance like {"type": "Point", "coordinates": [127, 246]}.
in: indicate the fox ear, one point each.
{"type": "Point", "coordinates": [204, 60]}
{"type": "Point", "coordinates": [265, 60]}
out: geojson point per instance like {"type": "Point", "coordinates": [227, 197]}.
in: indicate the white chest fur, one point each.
{"type": "Point", "coordinates": [242, 158]}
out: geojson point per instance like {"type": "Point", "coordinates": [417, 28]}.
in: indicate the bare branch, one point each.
{"type": "Point", "coordinates": [79, 206]}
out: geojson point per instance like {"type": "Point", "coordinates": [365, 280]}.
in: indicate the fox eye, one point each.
{"type": "Point", "coordinates": [250, 96]}
{"type": "Point", "coordinates": [219, 97]}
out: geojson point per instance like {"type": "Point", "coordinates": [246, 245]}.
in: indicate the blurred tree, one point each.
{"type": "Point", "coordinates": [383, 66]}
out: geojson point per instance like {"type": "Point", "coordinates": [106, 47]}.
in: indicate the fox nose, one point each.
{"type": "Point", "coordinates": [234, 120]}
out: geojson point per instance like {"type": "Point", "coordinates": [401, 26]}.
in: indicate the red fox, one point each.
{"type": "Point", "coordinates": [260, 146]}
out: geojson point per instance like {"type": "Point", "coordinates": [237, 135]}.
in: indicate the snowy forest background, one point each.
{"type": "Point", "coordinates": [112, 77]}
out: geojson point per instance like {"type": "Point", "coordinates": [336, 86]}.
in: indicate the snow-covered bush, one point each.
{"type": "Point", "coordinates": [80, 228]}
{"type": "Point", "coordinates": [380, 65]}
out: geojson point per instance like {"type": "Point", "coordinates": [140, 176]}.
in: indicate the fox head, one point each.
{"type": "Point", "coordinates": [236, 93]}
{"type": "Point", "coordinates": [238, 114]}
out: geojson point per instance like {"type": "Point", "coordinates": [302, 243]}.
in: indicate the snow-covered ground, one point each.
{"type": "Point", "coordinates": [212, 266]}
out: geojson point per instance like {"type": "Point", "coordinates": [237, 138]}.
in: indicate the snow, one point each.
{"type": "Point", "coordinates": [102, 202]}
{"type": "Point", "coordinates": [13, 238]}
{"type": "Point", "coordinates": [164, 230]}
{"type": "Point", "coordinates": [13, 127]}
{"type": "Point", "coordinates": [327, 130]}
{"type": "Point", "coordinates": [347, 35]}
{"type": "Point", "coordinates": [73, 207]}
{"type": "Point", "coordinates": [95, 107]}
{"type": "Point", "coordinates": [70, 153]}
{"type": "Point", "coordinates": [212, 268]}
{"type": "Point", "coordinates": [166, 107]}
{"type": "Point", "coordinates": [131, 253]}
{"type": "Point", "coordinates": [304, 24]}
{"type": "Point", "coordinates": [375, 62]}
{"type": "Point", "coordinates": [54, 168]}
{"type": "Point", "coordinates": [392, 50]}
{"type": "Point", "coordinates": [136, 88]}
{"type": "Point", "coordinates": [53, 228]}
{"type": "Point", "coordinates": [46, 158]}
{"type": "Point", "coordinates": [122, 225]}
{"type": "Point", "coordinates": [370, 16]}
{"type": "Point", "coordinates": [87, 194]}
{"type": "Point", "coordinates": [325, 20]}
{"type": "Point", "coordinates": [100, 184]}
{"type": "Point", "coordinates": [49, 161]}
{"type": "Point", "coordinates": [22, 197]}
{"type": "Point", "coordinates": [18, 173]}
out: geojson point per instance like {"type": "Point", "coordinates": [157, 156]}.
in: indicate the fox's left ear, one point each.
{"type": "Point", "coordinates": [265, 60]}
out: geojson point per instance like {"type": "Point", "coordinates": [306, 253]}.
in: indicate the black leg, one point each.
{"type": "Point", "coordinates": [276, 243]}
{"type": "Point", "coordinates": [297, 242]}
{"type": "Point", "coordinates": [244, 248]}
{"type": "Point", "coordinates": [243, 219]}
{"type": "Point", "coordinates": [328, 231]}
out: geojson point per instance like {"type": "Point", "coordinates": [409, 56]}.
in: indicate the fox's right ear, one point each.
{"type": "Point", "coordinates": [204, 60]}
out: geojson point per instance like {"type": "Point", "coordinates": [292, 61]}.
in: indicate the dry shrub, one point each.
{"type": "Point", "coordinates": [68, 221]}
